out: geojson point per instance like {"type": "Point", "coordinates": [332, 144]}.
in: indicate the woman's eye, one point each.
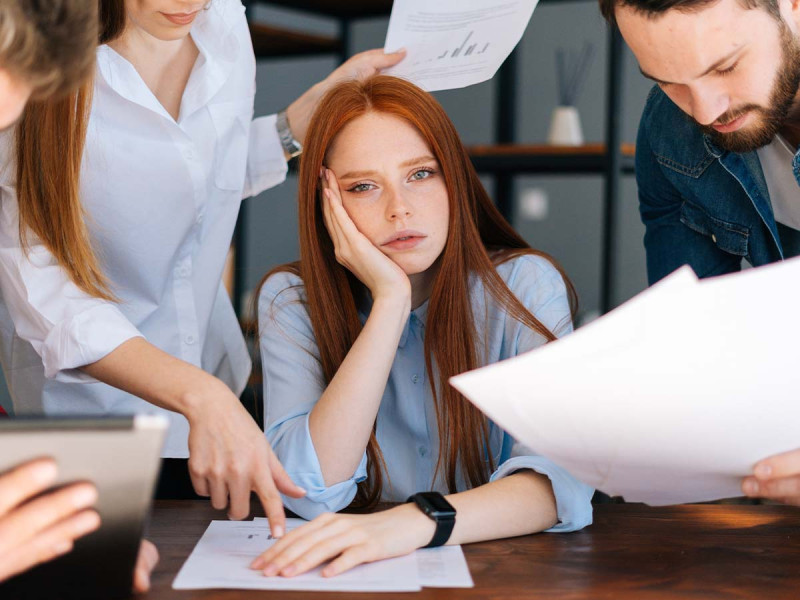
{"type": "Point", "coordinates": [360, 187]}
{"type": "Point", "coordinates": [421, 174]}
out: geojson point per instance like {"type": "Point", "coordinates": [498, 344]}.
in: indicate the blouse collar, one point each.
{"type": "Point", "coordinates": [219, 49]}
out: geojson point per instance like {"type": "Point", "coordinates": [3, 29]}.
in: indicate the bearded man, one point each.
{"type": "Point", "coordinates": [717, 161]}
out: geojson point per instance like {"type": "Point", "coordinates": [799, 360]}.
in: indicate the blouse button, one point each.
{"type": "Point", "coordinates": [415, 378]}
{"type": "Point", "coordinates": [189, 339]}
{"type": "Point", "coordinates": [422, 451]}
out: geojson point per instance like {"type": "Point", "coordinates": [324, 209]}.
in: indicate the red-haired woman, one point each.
{"type": "Point", "coordinates": [408, 275]}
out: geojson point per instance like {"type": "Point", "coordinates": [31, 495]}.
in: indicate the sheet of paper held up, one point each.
{"type": "Point", "coordinates": [670, 398]}
{"type": "Point", "coordinates": [455, 43]}
{"type": "Point", "coordinates": [221, 559]}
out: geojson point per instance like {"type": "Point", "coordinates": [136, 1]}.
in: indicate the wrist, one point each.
{"type": "Point", "coordinates": [420, 525]}
{"type": "Point", "coordinates": [300, 111]}
{"type": "Point", "coordinates": [195, 401]}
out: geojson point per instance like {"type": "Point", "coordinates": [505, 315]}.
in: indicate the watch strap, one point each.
{"type": "Point", "coordinates": [444, 527]}
{"type": "Point", "coordinates": [290, 145]}
{"type": "Point", "coordinates": [444, 523]}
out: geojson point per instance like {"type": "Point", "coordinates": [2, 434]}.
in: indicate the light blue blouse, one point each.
{"type": "Point", "coordinates": [406, 425]}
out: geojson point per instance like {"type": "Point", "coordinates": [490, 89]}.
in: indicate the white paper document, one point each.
{"type": "Point", "coordinates": [454, 43]}
{"type": "Point", "coordinates": [670, 398]}
{"type": "Point", "coordinates": [221, 560]}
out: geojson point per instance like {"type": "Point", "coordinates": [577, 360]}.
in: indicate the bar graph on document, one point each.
{"type": "Point", "coordinates": [452, 43]}
{"type": "Point", "coordinates": [461, 51]}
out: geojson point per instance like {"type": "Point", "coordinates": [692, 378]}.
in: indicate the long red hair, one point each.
{"type": "Point", "coordinates": [479, 238]}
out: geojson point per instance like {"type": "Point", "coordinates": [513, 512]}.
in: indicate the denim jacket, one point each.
{"type": "Point", "coordinates": [701, 205]}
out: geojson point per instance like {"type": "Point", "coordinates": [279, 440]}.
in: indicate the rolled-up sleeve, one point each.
{"type": "Point", "coordinates": [266, 163]}
{"type": "Point", "coordinates": [293, 383]}
{"type": "Point", "coordinates": [573, 498]}
{"type": "Point", "coordinates": [66, 327]}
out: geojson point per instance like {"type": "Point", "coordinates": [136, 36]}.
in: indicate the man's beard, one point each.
{"type": "Point", "coordinates": [770, 119]}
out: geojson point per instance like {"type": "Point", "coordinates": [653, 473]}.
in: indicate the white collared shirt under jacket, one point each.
{"type": "Point", "coordinates": [161, 199]}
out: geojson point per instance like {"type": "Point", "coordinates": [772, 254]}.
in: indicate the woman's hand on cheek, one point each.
{"type": "Point", "coordinates": [347, 541]}
{"type": "Point", "coordinates": [356, 252]}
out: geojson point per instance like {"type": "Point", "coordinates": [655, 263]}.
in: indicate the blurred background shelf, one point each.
{"type": "Point", "coordinates": [272, 42]}
{"type": "Point", "coordinates": [544, 158]}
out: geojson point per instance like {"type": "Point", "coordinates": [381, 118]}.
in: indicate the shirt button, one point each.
{"type": "Point", "coordinates": [415, 378]}
{"type": "Point", "coordinates": [713, 238]}
{"type": "Point", "coordinates": [189, 339]}
{"type": "Point", "coordinates": [199, 218]}
{"type": "Point", "coordinates": [184, 271]}
{"type": "Point", "coordinates": [422, 451]}
{"type": "Point", "coordinates": [188, 153]}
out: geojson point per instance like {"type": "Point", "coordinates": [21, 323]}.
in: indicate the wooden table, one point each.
{"type": "Point", "coordinates": [630, 552]}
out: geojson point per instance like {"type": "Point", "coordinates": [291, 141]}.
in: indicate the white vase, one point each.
{"type": "Point", "coordinates": [565, 127]}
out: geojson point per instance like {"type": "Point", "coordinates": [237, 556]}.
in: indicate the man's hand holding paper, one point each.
{"type": "Point", "coordinates": [776, 478]}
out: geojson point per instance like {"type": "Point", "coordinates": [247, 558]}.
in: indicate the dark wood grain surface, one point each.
{"type": "Point", "coordinates": [630, 552]}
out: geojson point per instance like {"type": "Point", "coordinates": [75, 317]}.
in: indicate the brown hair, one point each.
{"type": "Point", "coordinates": [56, 53]}
{"type": "Point", "coordinates": [476, 229]}
{"type": "Point", "coordinates": [654, 8]}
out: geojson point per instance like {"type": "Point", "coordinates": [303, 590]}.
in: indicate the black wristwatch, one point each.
{"type": "Point", "coordinates": [441, 511]}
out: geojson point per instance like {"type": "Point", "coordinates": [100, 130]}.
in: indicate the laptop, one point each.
{"type": "Point", "coordinates": [121, 456]}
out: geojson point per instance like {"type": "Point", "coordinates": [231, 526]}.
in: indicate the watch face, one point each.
{"type": "Point", "coordinates": [436, 505]}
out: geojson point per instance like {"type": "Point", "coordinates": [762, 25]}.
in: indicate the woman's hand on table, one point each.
{"type": "Point", "coordinates": [347, 541]}
{"type": "Point", "coordinates": [36, 527]}
{"type": "Point", "coordinates": [776, 478]}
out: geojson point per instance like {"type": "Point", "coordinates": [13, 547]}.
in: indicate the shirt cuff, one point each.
{"type": "Point", "coordinates": [267, 165]}
{"type": "Point", "coordinates": [573, 498]}
{"type": "Point", "coordinates": [291, 442]}
{"type": "Point", "coordinates": [84, 339]}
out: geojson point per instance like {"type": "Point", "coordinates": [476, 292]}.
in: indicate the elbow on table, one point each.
{"type": "Point", "coordinates": [320, 501]}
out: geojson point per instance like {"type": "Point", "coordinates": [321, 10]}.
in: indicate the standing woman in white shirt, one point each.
{"type": "Point", "coordinates": [114, 275]}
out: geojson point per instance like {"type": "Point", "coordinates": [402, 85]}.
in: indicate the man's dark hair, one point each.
{"type": "Point", "coordinates": [655, 8]}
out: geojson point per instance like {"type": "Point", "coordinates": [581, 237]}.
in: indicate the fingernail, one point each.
{"type": "Point", "coordinates": [257, 563]}
{"type": "Point", "coordinates": [289, 571]}
{"type": "Point", "coordinates": [270, 571]}
{"type": "Point", "coordinates": [302, 491]}
{"type": "Point", "coordinates": [84, 496]}
{"type": "Point", "coordinates": [750, 487]}
{"type": "Point", "coordinates": [763, 471]}
{"type": "Point", "coordinates": [45, 472]}
{"type": "Point", "coordinates": [277, 531]}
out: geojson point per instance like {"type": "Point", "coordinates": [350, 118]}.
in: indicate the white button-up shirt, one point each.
{"type": "Point", "coordinates": [161, 199]}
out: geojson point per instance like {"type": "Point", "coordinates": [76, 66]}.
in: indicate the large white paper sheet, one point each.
{"type": "Point", "coordinates": [221, 560]}
{"type": "Point", "coordinates": [672, 397]}
{"type": "Point", "coordinates": [455, 43]}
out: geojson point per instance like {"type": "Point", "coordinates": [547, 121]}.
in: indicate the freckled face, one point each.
{"type": "Point", "coordinates": [392, 188]}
